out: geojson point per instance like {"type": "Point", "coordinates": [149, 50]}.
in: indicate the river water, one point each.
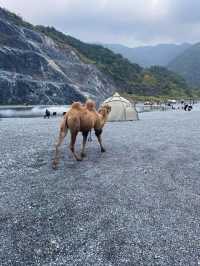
{"type": "Point", "coordinates": [31, 111]}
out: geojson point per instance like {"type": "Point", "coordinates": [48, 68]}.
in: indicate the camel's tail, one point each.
{"type": "Point", "coordinates": [64, 125]}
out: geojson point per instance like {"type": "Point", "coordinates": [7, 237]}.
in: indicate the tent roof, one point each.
{"type": "Point", "coordinates": [122, 109]}
{"type": "Point", "coordinates": [116, 97]}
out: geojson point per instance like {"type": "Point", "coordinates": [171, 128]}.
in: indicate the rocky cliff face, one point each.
{"type": "Point", "coordinates": [34, 69]}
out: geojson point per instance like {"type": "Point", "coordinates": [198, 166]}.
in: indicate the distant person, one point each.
{"type": "Point", "coordinates": [185, 107]}
{"type": "Point", "coordinates": [190, 108]}
{"type": "Point", "coordinates": [54, 113]}
{"type": "Point", "coordinates": [47, 114]}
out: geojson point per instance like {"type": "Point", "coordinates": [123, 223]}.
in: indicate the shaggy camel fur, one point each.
{"type": "Point", "coordinates": [82, 118]}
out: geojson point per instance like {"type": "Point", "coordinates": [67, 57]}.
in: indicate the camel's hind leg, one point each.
{"type": "Point", "coordinates": [72, 145]}
{"type": "Point", "coordinates": [63, 133]}
{"type": "Point", "coordinates": [85, 135]}
{"type": "Point", "coordinates": [98, 133]}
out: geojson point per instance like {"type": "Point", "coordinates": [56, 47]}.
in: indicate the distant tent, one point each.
{"type": "Point", "coordinates": [122, 109]}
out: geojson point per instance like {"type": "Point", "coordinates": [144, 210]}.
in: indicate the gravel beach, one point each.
{"type": "Point", "coordinates": [137, 204]}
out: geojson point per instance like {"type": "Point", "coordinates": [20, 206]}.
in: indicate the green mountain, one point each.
{"type": "Point", "coordinates": [188, 65]}
{"type": "Point", "coordinates": [40, 65]}
{"type": "Point", "coordinates": [147, 56]}
{"type": "Point", "coordinates": [128, 77]}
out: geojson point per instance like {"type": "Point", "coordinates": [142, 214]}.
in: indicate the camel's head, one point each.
{"type": "Point", "coordinates": [90, 105]}
{"type": "Point", "coordinates": [105, 110]}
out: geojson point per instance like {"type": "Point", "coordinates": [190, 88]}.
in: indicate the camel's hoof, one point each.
{"type": "Point", "coordinates": [103, 150]}
{"type": "Point", "coordinates": [55, 165]}
{"type": "Point", "coordinates": [83, 155]}
{"type": "Point", "coordinates": [79, 159]}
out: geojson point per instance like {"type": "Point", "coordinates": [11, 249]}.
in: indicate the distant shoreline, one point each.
{"type": "Point", "coordinates": [22, 111]}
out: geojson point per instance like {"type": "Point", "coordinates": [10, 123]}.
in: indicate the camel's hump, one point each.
{"type": "Point", "coordinates": [76, 105]}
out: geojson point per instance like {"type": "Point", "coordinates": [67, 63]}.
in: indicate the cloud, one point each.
{"type": "Point", "coordinates": [130, 22]}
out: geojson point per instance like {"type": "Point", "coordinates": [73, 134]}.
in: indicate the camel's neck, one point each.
{"type": "Point", "coordinates": [104, 118]}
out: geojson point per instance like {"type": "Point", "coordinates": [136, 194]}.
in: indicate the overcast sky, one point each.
{"type": "Point", "coordinates": [129, 22]}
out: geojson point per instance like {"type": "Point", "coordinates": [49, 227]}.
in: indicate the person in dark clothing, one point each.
{"type": "Point", "coordinates": [47, 113]}
{"type": "Point", "coordinates": [185, 107]}
{"type": "Point", "coordinates": [190, 108]}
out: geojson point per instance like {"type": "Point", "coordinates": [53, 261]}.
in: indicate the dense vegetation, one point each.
{"type": "Point", "coordinates": [188, 65]}
{"type": "Point", "coordinates": [128, 77]}
{"type": "Point", "coordinates": [13, 18]}
{"type": "Point", "coordinates": [119, 68]}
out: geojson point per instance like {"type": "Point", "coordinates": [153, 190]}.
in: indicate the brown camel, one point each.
{"type": "Point", "coordinates": [82, 118]}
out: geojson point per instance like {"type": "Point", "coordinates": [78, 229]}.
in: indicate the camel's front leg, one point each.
{"type": "Point", "coordinates": [98, 133]}
{"type": "Point", "coordinates": [85, 135]}
{"type": "Point", "coordinates": [72, 145]}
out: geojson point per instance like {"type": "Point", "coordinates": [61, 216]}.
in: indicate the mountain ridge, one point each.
{"type": "Point", "coordinates": [187, 64]}
{"type": "Point", "coordinates": [37, 70]}
{"type": "Point", "coordinates": [40, 65]}
{"type": "Point", "coordinates": [147, 56]}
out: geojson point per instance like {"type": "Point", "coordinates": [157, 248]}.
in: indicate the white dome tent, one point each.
{"type": "Point", "coordinates": [122, 109]}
